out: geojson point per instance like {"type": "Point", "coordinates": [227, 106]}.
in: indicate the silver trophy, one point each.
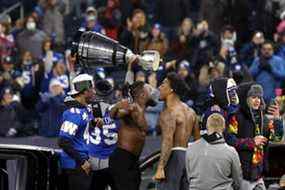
{"type": "Point", "coordinates": [93, 49]}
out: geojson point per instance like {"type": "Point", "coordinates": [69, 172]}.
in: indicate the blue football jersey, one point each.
{"type": "Point", "coordinates": [28, 80]}
{"type": "Point", "coordinates": [75, 126]}
{"type": "Point", "coordinates": [103, 140]}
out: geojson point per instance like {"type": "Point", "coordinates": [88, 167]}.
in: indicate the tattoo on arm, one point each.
{"type": "Point", "coordinates": [168, 125]}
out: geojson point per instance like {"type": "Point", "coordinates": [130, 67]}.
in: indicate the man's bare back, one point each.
{"type": "Point", "coordinates": [177, 124]}
{"type": "Point", "coordinates": [185, 120]}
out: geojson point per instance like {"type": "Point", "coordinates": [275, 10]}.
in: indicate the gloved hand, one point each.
{"type": "Point", "coordinates": [264, 65]}
{"type": "Point", "coordinates": [45, 96]}
{"type": "Point", "coordinates": [11, 133]}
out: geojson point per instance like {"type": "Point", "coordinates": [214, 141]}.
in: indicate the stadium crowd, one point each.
{"type": "Point", "coordinates": [35, 66]}
{"type": "Point", "coordinates": [200, 41]}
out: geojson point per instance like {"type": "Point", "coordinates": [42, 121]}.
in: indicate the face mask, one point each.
{"type": "Point", "coordinates": [27, 62]}
{"type": "Point", "coordinates": [31, 26]}
{"type": "Point", "coordinates": [228, 43]}
{"type": "Point", "coordinates": [91, 18]}
{"type": "Point", "coordinates": [231, 92]}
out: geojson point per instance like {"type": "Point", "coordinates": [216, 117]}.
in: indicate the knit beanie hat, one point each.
{"type": "Point", "coordinates": [255, 90]}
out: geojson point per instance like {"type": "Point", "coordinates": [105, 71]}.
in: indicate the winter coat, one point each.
{"type": "Point", "coordinates": [205, 47]}
{"type": "Point", "coordinates": [10, 117]}
{"type": "Point", "coordinates": [50, 110]}
{"type": "Point", "coordinates": [248, 53]}
{"type": "Point", "coordinates": [53, 24]}
{"type": "Point", "coordinates": [31, 41]}
{"type": "Point", "coordinates": [269, 79]}
{"type": "Point", "coordinates": [240, 133]}
{"type": "Point", "coordinates": [281, 51]}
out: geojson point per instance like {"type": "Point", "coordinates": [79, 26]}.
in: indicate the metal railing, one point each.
{"type": "Point", "coordinates": [18, 5]}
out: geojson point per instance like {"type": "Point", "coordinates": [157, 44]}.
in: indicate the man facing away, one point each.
{"type": "Point", "coordinates": [177, 122]}
{"type": "Point", "coordinates": [211, 164]}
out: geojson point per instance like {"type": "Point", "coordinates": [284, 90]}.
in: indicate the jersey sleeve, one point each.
{"type": "Point", "coordinates": [71, 122]}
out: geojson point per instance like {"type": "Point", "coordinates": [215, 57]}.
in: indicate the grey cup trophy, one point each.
{"type": "Point", "coordinates": [93, 49]}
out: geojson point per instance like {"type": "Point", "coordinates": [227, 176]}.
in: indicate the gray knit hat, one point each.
{"type": "Point", "coordinates": [255, 90]}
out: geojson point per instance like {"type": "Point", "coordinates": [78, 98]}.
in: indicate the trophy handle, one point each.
{"type": "Point", "coordinates": [150, 60]}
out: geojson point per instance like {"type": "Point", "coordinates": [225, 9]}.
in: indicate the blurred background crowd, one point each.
{"type": "Point", "coordinates": [200, 40]}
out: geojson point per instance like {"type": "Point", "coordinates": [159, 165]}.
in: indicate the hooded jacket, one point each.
{"type": "Point", "coordinates": [243, 127]}
{"type": "Point", "coordinates": [218, 101]}
{"type": "Point", "coordinates": [219, 92]}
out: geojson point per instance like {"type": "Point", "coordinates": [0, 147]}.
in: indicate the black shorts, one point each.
{"type": "Point", "coordinates": [124, 168]}
{"type": "Point", "coordinates": [75, 179]}
{"type": "Point", "coordinates": [101, 179]}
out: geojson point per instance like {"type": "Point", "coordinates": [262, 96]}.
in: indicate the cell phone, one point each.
{"type": "Point", "coordinates": [272, 103]}
{"type": "Point", "coordinates": [96, 108]}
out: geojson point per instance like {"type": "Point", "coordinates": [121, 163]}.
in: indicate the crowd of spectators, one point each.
{"type": "Point", "coordinates": [200, 40]}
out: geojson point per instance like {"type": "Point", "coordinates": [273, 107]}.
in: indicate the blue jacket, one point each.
{"type": "Point", "coordinates": [269, 80]}
{"type": "Point", "coordinates": [248, 53]}
{"type": "Point", "coordinates": [281, 51]}
{"type": "Point", "coordinates": [50, 110]}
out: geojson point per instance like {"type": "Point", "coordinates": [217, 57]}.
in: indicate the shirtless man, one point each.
{"type": "Point", "coordinates": [131, 137]}
{"type": "Point", "coordinates": [177, 122]}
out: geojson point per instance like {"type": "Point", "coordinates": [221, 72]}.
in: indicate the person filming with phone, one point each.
{"type": "Point", "coordinates": [250, 130]}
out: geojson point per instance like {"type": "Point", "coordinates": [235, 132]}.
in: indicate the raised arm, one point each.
{"type": "Point", "coordinates": [120, 109]}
